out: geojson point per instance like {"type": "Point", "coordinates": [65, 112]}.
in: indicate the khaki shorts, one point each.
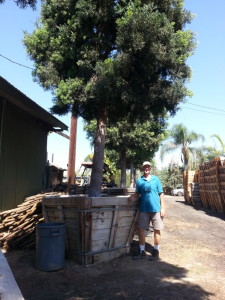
{"type": "Point", "coordinates": [145, 218]}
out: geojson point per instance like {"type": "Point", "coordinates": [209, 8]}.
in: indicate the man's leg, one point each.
{"type": "Point", "coordinates": [142, 239]}
{"type": "Point", "coordinates": [141, 250]}
{"type": "Point", "coordinates": [157, 223]}
{"type": "Point", "coordinates": [155, 254]}
{"type": "Point", "coordinates": [157, 236]}
{"type": "Point", "coordinates": [143, 223]}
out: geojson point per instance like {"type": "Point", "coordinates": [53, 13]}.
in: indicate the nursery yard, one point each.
{"type": "Point", "coordinates": [191, 266]}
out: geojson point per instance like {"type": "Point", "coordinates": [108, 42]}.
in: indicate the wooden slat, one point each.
{"type": "Point", "coordinates": [114, 228]}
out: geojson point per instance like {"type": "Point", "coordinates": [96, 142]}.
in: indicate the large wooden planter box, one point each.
{"type": "Point", "coordinates": [98, 228]}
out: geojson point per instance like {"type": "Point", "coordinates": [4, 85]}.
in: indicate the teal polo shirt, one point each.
{"type": "Point", "coordinates": [149, 193]}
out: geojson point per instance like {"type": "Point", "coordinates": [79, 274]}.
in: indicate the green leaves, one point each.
{"type": "Point", "coordinates": [181, 139]}
{"type": "Point", "coordinates": [130, 55]}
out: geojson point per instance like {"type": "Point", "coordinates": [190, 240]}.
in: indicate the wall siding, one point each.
{"type": "Point", "coordinates": [22, 156]}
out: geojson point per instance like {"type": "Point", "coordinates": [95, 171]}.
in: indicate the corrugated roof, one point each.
{"type": "Point", "coordinates": [12, 94]}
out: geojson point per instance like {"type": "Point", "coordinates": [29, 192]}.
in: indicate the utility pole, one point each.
{"type": "Point", "coordinates": [72, 152]}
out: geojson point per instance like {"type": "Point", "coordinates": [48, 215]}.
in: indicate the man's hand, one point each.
{"type": "Point", "coordinates": [162, 212]}
{"type": "Point", "coordinates": [133, 197]}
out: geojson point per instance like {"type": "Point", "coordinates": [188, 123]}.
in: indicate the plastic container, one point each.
{"type": "Point", "coordinates": [50, 246]}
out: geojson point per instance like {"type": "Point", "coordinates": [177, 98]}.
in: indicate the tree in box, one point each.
{"type": "Point", "coordinates": [112, 59]}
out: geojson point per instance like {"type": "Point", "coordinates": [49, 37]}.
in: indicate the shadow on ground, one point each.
{"type": "Point", "coordinates": [122, 278]}
{"type": "Point", "coordinates": [208, 211]}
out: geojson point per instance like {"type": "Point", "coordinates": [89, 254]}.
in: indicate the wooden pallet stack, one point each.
{"type": "Point", "coordinates": [203, 186]}
{"type": "Point", "coordinates": [18, 225]}
{"type": "Point", "coordinates": [221, 171]}
{"type": "Point", "coordinates": [208, 186]}
{"type": "Point", "coordinates": [188, 177]}
{"type": "Point", "coordinates": [195, 195]}
{"type": "Point", "coordinates": [212, 181]}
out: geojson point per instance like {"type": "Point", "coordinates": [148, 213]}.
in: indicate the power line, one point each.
{"type": "Point", "coordinates": [16, 62]}
{"type": "Point", "coordinates": [184, 107]}
{"type": "Point", "coordinates": [207, 107]}
{"type": "Point", "coordinates": [209, 112]}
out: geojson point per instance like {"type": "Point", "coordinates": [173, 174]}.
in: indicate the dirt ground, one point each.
{"type": "Point", "coordinates": [191, 265]}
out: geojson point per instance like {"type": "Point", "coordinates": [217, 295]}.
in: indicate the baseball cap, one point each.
{"type": "Point", "coordinates": [146, 163]}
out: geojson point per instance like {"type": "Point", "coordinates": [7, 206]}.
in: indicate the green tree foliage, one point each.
{"type": "Point", "coordinates": [133, 143]}
{"type": "Point", "coordinates": [222, 144]}
{"type": "Point", "coordinates": [203, 154]}
{"type": "Point", "coordinates": [181, 140]}
{"type": "Point", "coordinates": [110, 59]}
{"type": "Point", "coordinates": [172, 176]}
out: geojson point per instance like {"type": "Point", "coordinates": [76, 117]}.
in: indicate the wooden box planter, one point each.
{"type": "Point", "coordinates": [98, 228]}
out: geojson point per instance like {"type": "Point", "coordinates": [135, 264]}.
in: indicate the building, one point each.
{"type": "Point", "coordinates": [24, 127]}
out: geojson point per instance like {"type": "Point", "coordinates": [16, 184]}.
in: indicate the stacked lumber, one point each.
{"type": "Point", "coordinates": [195, 195]}
{"type": "Point", "coordinates": [188, 178]}
{"type": "Point", "coordinates": [212, 180]}
{"type": "Point", "coordinates": [206, 187]}
{"type": "Point", "coordinates": [18, 225]}
{"type": "Point", "coordinates": [191, 188]}
{"type": "Point", "coordinates": [203, 186]}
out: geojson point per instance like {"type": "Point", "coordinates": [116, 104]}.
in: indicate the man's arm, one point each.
{"type": "Point", "coordinates": [162, 203]}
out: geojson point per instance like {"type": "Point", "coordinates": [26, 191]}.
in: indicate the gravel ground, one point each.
{"type": "Point", "coordinates": [191, 265]}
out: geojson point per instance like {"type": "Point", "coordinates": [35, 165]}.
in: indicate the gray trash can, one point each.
{"type": "Point", "coordinates": [50, 246]}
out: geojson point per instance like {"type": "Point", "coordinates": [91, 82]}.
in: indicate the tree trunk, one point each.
{"type": "Point", "coordinates": [135, 173]}
{"type": "Point", "coordinates": [98, 159]}
{"type": "Point", "coordinates": [132, 179]}
{"type": "Point", "coordinates": [123, 168]}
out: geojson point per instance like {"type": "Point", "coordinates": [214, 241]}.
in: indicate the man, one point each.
{"type": "Point", "coordinates": [152, 208]}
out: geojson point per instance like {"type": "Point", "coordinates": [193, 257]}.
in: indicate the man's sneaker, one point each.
{"type": "Point", "coordinates": [155, 255]}
{"type": "Point", "coordinates": [139, 255]}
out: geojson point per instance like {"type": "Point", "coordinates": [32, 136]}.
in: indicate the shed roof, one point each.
{"type": "Point", "coordinates": [12, 94]}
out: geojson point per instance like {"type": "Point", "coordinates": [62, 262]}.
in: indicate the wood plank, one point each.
{"type": "Point", "coordinates": [87, 232]}
{"type": "Point", "coordinates": [102, 234]}
{"type": "Point", "coordinates": [112, 201]}
{"type": "Point", "coordinates": [60, 213]}
{"type": "Point", "coordinates": [106, 256]}
{"type": "Point", "coordinates": [45, 214]}
{"type": "Point", "coordinates": [114, 227]}
{"type": "Point", "coordinates": [99, 224]}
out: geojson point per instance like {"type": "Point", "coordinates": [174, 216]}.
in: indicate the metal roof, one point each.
{"type": "Point", "coordinates": [12, 94]}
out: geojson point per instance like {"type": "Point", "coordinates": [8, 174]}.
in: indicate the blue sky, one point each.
{"type": "Point", "coordinates": [203, 113]}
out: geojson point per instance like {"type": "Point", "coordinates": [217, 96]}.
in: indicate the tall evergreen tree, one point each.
{"type": "Point", "coordinates": [107, 59]}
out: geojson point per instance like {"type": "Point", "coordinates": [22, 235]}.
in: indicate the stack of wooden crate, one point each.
{"type": "Point", "coordinates": [195, 195]}
{"type": "Point", "coordinates": [203, 186]}
{"type": "Point", "coordinates": [188, 177]}
{"type": "Point", "coordinates": [212, 182]}
{"type": "Point", "coordinates": [221, 171]}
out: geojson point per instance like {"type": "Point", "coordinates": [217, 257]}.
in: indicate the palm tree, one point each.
{"type": "Point", "coordinates": [181, 139]}
{"type": "Point", "coordinates": [220, 142]}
